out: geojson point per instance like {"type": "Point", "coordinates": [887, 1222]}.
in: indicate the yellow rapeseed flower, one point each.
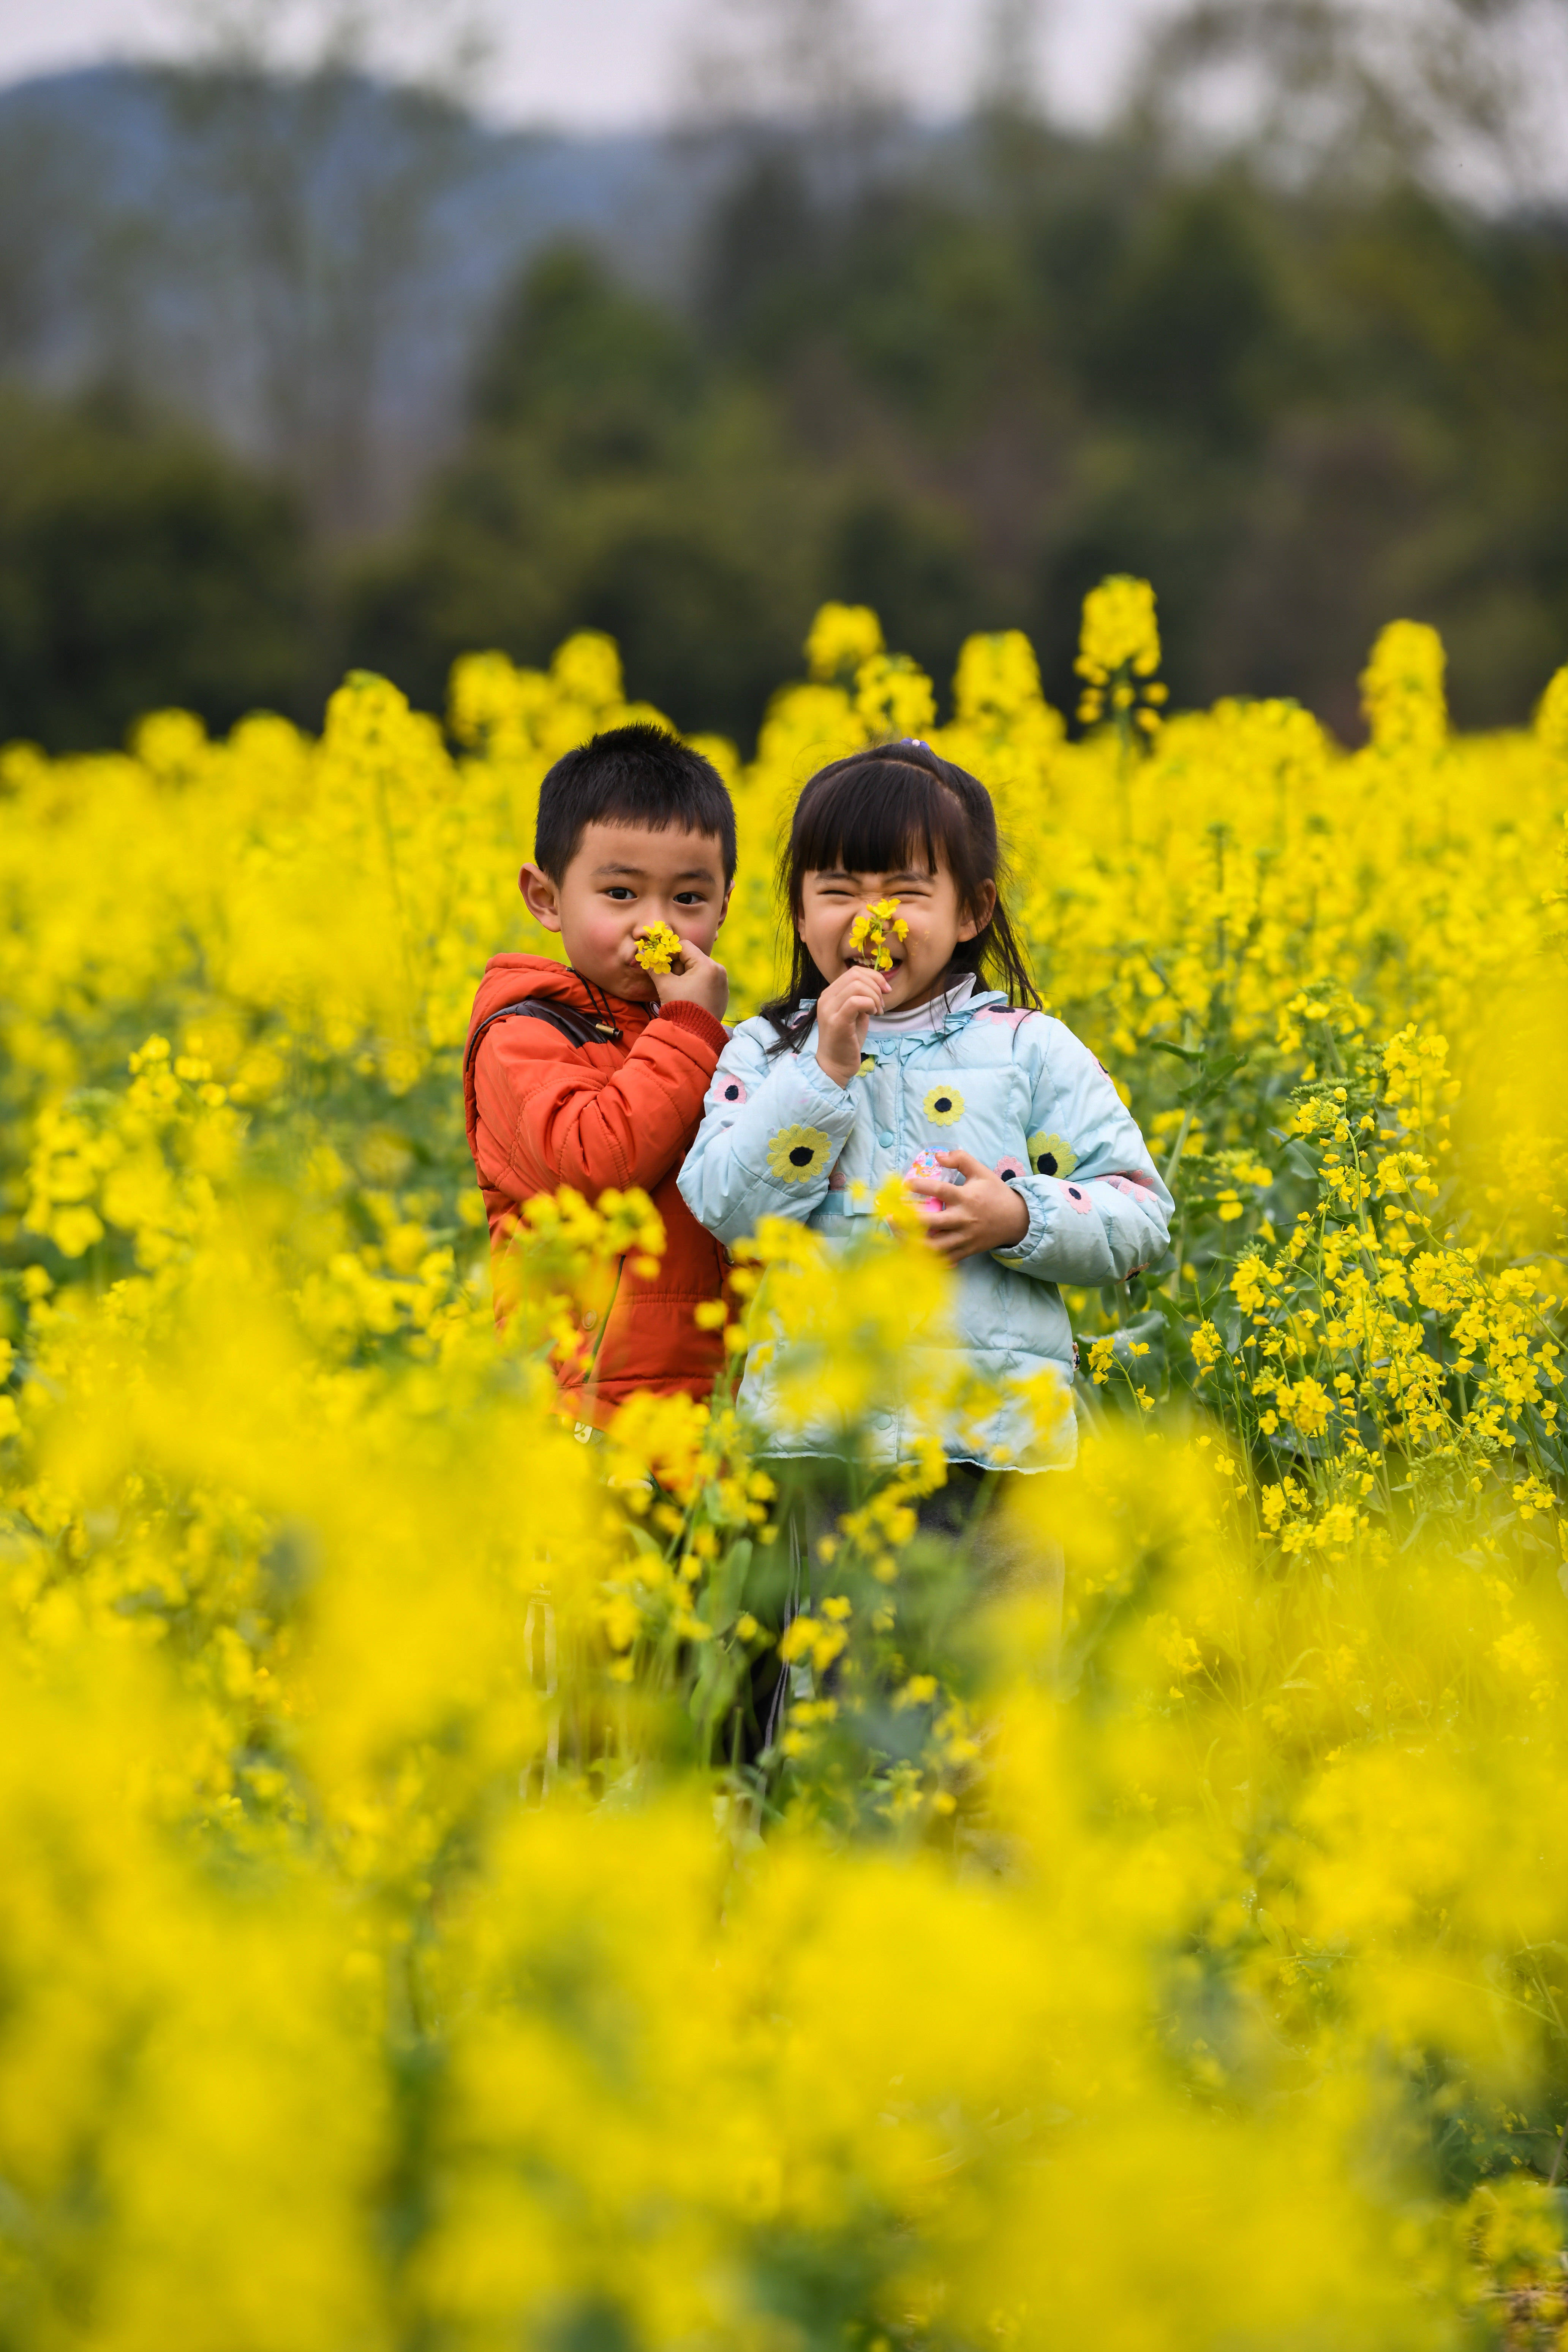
{"type": "Point", "coordinates": [870, 932]}
{"type": "Point", "coordinates": [842, 637]}
{"type": "Point", "coordinates": [358, 1701]}
{"type": "Point", "coordinates": [657, 947]}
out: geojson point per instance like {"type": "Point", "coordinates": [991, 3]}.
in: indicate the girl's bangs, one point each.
{"type": "Point", "coordinates": [875, 816]}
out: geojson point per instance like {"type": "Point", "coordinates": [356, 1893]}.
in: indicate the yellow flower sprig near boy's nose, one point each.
{"type": "Point", "coordinates": [657, 947]}
{"type": "Point", "coordinates": [869, 934]}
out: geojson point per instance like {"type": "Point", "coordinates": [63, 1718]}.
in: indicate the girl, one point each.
{"type": "Point", "coordinates": [841, 1081]}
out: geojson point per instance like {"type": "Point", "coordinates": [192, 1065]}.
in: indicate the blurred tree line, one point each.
{"type": "Point", "coordinates": [960, 387]}
{"type": "Point", "coordinates": [1297, 417]}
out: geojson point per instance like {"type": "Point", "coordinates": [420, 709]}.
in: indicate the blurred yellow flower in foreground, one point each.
{"type": "Point", "coordinates": [476, 1882]}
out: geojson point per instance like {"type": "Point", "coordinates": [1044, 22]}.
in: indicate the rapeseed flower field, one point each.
{"type": "Point", "coordinates": [397, 1949]}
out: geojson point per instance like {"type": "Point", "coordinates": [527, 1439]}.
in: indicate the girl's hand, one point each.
{"type": "Point", "coordinates": [696, 978]}
{"type": "Point", "coordinates": [843, 1010]}
{"type": "Point", "coordinates": [982, 1214]}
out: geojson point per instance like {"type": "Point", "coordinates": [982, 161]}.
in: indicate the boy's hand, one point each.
{"type": "Point", "coordinates": [843, 1010]}
{"type": "Point", "coordinates": [695, 979]}
{"type": "Point", "coordinates": [982, 1214]}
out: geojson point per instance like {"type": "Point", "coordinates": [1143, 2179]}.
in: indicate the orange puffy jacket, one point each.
{"type": "Point", "coordinates": [544, 1110]}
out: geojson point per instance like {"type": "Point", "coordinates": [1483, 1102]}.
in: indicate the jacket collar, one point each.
{"type": "Point", "coordinates": [886, 1048]}
{"type": "Point", "coordinates": [508, 979]}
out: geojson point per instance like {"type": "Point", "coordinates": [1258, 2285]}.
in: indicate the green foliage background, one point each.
{"type": "Point", "coordinates": [960, 395]}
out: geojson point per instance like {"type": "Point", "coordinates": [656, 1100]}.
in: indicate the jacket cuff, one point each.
{"type": "Point", "coordinates": [699, 1020]}
{"type": "Point", "coordinates": [828, 1095]}
{"type": "Point", "coordinates": [1016, 1255]}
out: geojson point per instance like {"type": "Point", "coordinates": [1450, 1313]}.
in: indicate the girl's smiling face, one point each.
{"type": "Point", "coordinates": [928, 900]}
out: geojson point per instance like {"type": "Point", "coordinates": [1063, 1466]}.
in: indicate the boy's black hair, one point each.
{"type": "Point", "coordinates": [633, 775]}
{"type": "Point", "coordinates": [871, 813]}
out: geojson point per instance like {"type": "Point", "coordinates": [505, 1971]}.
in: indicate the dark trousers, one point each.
{"type": "Point", "coordinates": [971, 1512]}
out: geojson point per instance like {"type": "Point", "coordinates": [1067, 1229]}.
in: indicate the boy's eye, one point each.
{"type": "Point", "coordinates": [618, 890]}
{"type": "Point", "coordinates": [692, 898]}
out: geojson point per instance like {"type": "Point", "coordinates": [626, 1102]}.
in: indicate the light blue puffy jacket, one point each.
{"type": "Point", "coordinates": [780, 1138]}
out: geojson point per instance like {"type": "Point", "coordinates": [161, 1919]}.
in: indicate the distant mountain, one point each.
{"type": "Point", "coordinates": [304, 268]}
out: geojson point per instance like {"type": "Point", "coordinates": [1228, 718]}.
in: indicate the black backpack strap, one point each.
{"type": "Point", "coordinates": [578, 1027]}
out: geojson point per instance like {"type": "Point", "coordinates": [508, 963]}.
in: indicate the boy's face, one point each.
{"type": "Point", "coordinates": [622, 877]}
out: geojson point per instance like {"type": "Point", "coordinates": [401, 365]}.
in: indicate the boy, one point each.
{"type": "Point", "coordinates": [595, 1075]}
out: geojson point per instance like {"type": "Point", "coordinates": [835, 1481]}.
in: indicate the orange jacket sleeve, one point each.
{"type": "Point", "coordinates": [551, 1117]}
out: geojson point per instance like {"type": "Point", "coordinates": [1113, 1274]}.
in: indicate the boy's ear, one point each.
{"type": "Point", "coordinates": [986, 907]}
{"type": "Point", "coordinates": [541, 897]}
{"type": "Point", "coordinates": [724, 906]}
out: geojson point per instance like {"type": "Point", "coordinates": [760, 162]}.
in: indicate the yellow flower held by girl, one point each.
{"type": "Point", "coordinates": [869, 934]}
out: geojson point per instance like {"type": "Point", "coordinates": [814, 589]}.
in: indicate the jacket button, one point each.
{"type": "Point", "coordinates": [885, 1137]}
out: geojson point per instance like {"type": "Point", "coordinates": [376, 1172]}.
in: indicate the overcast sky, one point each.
{"type": "Point", "coordinates": [604, 63]}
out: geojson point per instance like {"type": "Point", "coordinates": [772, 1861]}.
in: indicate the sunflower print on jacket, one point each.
{"type": "Point", "coordinates": [1051, 1155]}
{"type": "Point", "coordinates": [797, 1154]}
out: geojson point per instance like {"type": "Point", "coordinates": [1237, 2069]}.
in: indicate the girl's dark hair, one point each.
{"type": "Point", "coordinates": [875, 812]}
